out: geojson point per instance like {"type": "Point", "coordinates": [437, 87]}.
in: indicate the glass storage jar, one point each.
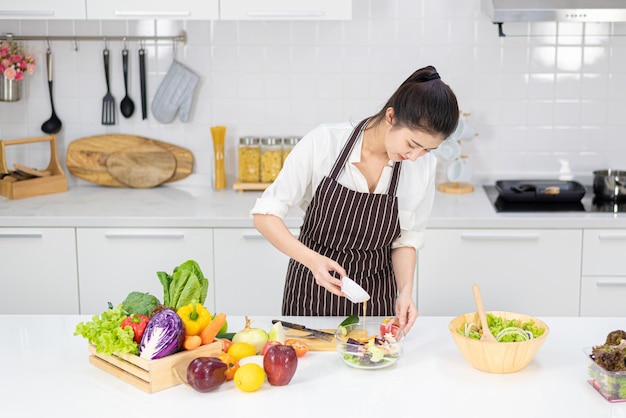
{"type": "Point", "coordinates": [249, 152]}
{"type": "Point", "coordinates": [271, 159]}
{"type": "Point", "coordinates": [288, 144]}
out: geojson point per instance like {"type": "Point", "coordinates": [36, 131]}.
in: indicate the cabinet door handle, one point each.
{"type": "Point", "coordinates": [21, 234]}
{"type": "Point", "coordinates": [123, 13]}
{"type": "Point", "coordinates": [259, 236]}
{"type": "Point", "coordinates": [475, 236]}
{"type": "Point", "coordinates": [26, 12]}
{"type": "Point", "coordinates": [615, 236]}
{"type": "Point", "coordinates": [157, 235]}
{"type": "Point", "coordinates": [611, 282]}
{"type": "Point", "coordinates": [286, 13]}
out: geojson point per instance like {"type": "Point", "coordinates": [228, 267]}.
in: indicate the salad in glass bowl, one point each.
{"type": "Point", "coordinates": [370, 344]}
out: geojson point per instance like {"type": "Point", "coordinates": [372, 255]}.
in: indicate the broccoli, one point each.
{"type": "Point", "coordinates": [140, 303]}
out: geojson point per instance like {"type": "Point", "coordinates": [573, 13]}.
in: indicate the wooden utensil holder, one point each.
{"type": "Point", "coordinates": [54, 183]}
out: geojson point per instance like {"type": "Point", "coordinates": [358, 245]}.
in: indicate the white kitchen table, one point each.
{"type": "Point", "coordinates": [44, 371]}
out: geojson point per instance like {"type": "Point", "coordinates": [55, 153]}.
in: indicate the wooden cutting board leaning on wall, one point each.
{"type": "Point", "coordinates": [120, 160]}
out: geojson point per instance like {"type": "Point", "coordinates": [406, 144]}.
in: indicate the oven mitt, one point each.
{"type": "Point", "coordinates": [175, 94]}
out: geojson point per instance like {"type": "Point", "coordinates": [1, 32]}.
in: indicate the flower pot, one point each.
{"type": "Point", "coordinates": [10, 90]}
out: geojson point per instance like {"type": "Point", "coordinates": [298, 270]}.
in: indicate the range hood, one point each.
{"type": "Point", "coordinates": [500, 11]}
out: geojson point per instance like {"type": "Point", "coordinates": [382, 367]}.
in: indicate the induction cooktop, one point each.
{"type": "Point", "coordinates": [589, 203]}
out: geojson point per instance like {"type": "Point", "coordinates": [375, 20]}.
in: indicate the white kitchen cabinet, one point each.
{"type": "Point", "coordinates": [152, 9]}
{"type": "Point", "coordinates": [43, 9]}
{"type": "Point", "coordinates": [603, 286]}
{"type": "Point", "coordinates": [113, 262]}
{"type": "Point", "coordinates": [38, 268]}
{"type": "Point", "coordinates": [535, 272]}
{"type": "Point", "coordinates": [250, 273]}
{"type": "Point", "coordinates": [285, 9]}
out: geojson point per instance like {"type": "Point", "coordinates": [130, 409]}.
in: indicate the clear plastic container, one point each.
{"type": "Point", "coordinates": [249, 160]}
{"type": "Point", "coordinates": [288, 144]}
{"type": "Point", "coordinates": [271, 158]}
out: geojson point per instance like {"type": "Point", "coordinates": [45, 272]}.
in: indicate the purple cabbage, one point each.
{"type": "Point", "coordinates": [164, 335]}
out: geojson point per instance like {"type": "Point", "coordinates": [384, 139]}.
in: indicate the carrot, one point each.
{"type": "Point", "coordinates": [191, 342]}
{"type": "Point", "coordinates": [209, 332]}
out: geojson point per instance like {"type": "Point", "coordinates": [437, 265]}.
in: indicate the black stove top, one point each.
{"type": "Point", "coordinates": [589, 203]}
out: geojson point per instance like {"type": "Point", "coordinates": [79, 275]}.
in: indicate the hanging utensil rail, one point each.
{"type": "Point", "coordinates": [182, 37]}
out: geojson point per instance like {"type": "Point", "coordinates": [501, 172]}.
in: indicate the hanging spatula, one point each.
{"type": "Point", "coordinates": [108, 102]}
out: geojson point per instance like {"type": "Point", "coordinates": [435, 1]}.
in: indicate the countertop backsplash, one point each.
{"type": "Point", "coordinates": [545, 95]}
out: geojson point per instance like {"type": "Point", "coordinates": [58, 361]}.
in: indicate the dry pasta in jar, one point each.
{"type": "Point", "coordinates": [249, 160]}
{"type": "Point", "coordinates": [271, 159]}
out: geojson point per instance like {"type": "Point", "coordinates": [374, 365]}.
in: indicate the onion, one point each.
{"type": "Point", "coordinates": [256, 337]}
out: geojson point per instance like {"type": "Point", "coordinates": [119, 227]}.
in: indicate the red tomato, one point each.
{"type": "Point", "coordinates": [268, 345]}
{"type": "Point", "coordinates": [389, 326]}
{"type": "Point", "coordinates": [226, 343]}
{"type": "Point", "coordinates": [301, 347]}
{"type": "Point", "coordinates": [232, 365]}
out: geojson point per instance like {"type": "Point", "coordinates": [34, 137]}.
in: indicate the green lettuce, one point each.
{"type": "Point", "coordinates": [185, 285]}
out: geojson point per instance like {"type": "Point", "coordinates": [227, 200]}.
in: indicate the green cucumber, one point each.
{"type": "Point", "coordinates": [227, 335]}
{"type": "Point", "coordinates": [352, 319]}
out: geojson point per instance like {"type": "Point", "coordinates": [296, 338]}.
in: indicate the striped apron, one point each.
{"type": "Point", "coordinates": [356, 230]}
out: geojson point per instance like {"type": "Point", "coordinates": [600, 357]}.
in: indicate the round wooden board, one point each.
{"type": "Point", "coordinates": [141, 168]}
{"type": "Point", "coordinates": [455, 188]}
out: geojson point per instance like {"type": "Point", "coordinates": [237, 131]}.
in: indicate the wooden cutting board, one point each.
{"type": "Point", "coordinates": [315, 344]}
{"type": "Point", "coordinates": [120, 160]}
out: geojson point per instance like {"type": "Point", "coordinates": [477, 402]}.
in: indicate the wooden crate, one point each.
{"type": "Point", "coordinates": [54, 183]}
{"type": "Point", "coordinates": [150, 375]}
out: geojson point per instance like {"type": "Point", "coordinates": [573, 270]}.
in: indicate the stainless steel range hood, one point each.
{"type": "Point", "coordinates": [500, 11]}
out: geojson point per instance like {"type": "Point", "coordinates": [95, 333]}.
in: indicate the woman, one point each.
{"type": "Point", "coordinates": [367, 192]}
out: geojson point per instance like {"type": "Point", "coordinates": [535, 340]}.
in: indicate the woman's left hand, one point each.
{"type": "Point", "coordinates": [406, 311]}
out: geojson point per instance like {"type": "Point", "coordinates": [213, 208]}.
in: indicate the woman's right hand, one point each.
{"type": "Point", "coordinates": [321, 268]}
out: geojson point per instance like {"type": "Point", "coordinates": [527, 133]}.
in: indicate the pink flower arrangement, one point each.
{"type": "Point", "coordinates": [14, 63]}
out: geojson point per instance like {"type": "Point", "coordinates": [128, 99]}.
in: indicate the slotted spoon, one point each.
{"type": "Point", "coordinates": [108, 102]}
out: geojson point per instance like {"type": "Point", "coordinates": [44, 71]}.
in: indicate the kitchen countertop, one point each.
{"type": "Point", "coordinates": [180, 206]}
{"type": "Point", "coordinates": [45, 371]}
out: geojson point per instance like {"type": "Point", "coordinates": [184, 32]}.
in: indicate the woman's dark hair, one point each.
{"type": "Point", "coordinates": [423, 102]}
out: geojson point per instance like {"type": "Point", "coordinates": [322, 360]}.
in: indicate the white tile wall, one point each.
{"type": "Point", "coordinates": [544, 95]}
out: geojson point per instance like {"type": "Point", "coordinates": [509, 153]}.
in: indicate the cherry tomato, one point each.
{"type": "Point", "coordinates": [231, 362]}
{"type": "Point", "coordinates": [301, 347]}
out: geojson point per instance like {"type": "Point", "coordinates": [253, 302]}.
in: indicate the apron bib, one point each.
{"type": "Point", "coordinates": [355, 229]}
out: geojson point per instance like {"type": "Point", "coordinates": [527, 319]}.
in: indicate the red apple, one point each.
{"type": "Point", "coordinates": [268, 345]}
{"type": "Point", "coordinates": [280, 363]}
{"type": "Point", "coordinates": [205, 374]}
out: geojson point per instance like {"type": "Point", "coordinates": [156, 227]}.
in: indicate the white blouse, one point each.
{"type": "Point", "coordinates": [312, 159]}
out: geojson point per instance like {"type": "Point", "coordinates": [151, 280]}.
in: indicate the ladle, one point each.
{"type": "Point", "coordinates": [487, 335]}
{"type": "Point", "coordinates": [52, 125]}
{"type": "Point", "coordinates": [127, 107]}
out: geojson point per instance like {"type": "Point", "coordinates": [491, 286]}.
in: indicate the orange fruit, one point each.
{"type": "Point", "coordinates": [249, 377]}
{"type": "Point", "coordinates": [241, 350]}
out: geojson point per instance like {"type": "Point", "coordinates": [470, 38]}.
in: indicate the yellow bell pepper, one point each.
{"type": "Point", "coordinates": [195, 317]}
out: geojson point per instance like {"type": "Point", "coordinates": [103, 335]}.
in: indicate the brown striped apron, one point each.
{"type": "Point", "coordinates": [356, 230]}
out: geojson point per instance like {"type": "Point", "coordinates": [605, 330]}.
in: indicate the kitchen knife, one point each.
{"type": "Point", "coordinates": [317, 333]}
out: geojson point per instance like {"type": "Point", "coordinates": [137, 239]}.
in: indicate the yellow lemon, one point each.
{"type": "Point", "coordinates": [249, 377]}
{"type": "Point", "coordinates": [241, 350]}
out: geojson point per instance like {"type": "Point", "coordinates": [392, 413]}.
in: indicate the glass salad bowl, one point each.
{"type": "Point", "coordinates": [369, 344]}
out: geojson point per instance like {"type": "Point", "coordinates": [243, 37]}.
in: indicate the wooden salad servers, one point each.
{"type": "Point", "coordinates": [487, 335]}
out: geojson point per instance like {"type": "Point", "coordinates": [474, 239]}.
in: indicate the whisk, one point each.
{"type": "Point", "coordinates": [219, 179]}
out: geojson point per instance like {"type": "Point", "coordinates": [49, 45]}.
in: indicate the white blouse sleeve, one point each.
{"type": "Point", "coordinates": [416, 194]}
